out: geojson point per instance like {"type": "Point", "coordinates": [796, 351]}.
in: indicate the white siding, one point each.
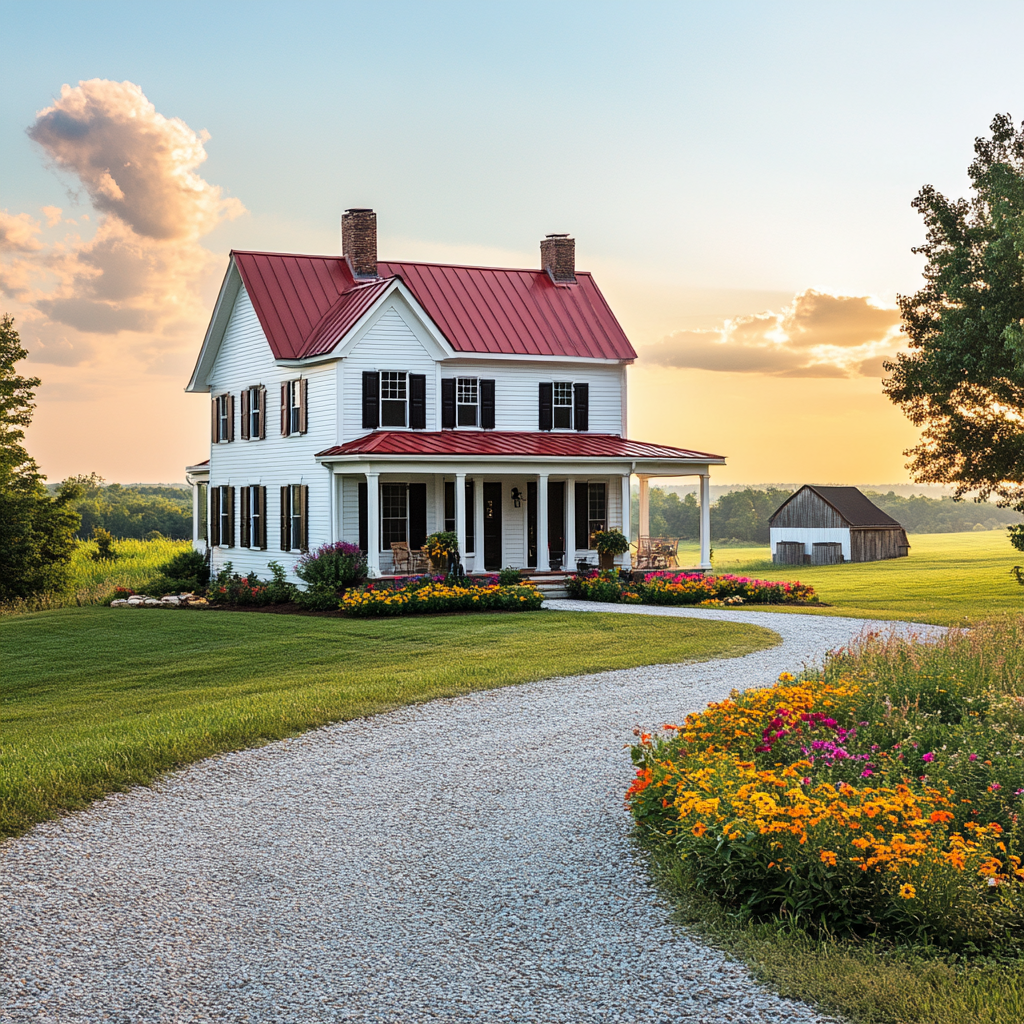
{"type": "Point", "coordinates": [244, 360]}
{"type": "Point", "coordinates": [390, 344]}
{"type": "Point", "coordinates": [808, 536]}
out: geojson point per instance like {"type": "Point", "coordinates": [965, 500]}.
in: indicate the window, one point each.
{"type": "Point", "coordinates": [394, 514]}
{"type": "Point", "coordinates": [254, 401]}
{"type": "Point", "coordinates": [597, 514]}
{"type": "Point", "coordinates": [253, 517]}
{"type": "Point", "coordinates": [294, 516]}
{"type": "Point", "coordinates": [562, 405]}
{"type": "Point", "coordinates": [222, 517]}
{"type": "Point", "coordinates": [294, 412]}
{"type": "Point", "coordinates": [393, 399]}
{"type": "Point", "coordinates": [204, 512]}
{"type": "Point", "coordinates": [223, 418]}
{"type": "Point", "coordinates": [467, 399]}
{"type": "Point", "coordinates": [295, 523]}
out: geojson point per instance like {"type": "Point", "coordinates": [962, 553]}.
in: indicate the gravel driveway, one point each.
{"type": "Point", "coordinates": [462, 860]}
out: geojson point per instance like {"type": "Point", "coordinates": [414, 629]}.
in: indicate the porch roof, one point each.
{"type": "Point", "coordinates": [510, 444]}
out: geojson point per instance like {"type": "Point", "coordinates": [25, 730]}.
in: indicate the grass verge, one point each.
{"type": "Point", "coordinates": [97, 700]}
{"type": "Point", "coordinates": [866, 983]}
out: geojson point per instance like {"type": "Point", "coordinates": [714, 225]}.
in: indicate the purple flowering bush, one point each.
{"type": "Point", "coordinates": [328, 571]}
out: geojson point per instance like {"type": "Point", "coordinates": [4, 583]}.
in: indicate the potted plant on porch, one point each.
{"type": "Point", "coordinates": [610, 543]}
{"type": "Point", "coordinates": [443, 551]}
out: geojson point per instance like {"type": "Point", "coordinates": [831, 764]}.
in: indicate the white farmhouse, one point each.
{"type": "Point", "coordinates": [376, 403]}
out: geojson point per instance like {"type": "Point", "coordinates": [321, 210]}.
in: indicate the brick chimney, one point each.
{"type": "Point", "coordinates": [359, 241]}
{"type": "Point", "coordinates": [558, 258]}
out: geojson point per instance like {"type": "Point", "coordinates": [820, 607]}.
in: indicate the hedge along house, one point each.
{"type": "Point", "coordinates": [378, 402]}
{"type": "Point", "coordinates": [826, 525]}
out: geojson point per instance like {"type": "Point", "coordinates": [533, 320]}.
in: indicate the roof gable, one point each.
{"type": "Point", "coordinates": [855, 508]}
{"type": "Point", "coordinates": [307, 304]}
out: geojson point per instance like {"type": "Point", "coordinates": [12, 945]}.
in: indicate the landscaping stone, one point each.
{"type": "Point", "coordinates": [460, 860]}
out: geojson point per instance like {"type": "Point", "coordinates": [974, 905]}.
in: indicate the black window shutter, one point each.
{"type": "Point", "coordinates": [448, 403]}
{"type": "Point", "coordinates": [244, 538]}
{"type": "Point", "coordinates": [304, 516]}
{"type": "Point", "coordinates": [263, 414]}
{"type": "Point", "coordinates": [263, 518]}
{"type": "Point", "coordinates": [303, 405]}
{"type": "Point", "coordinates": [231, 417]}
{"type": "Point", "coordinates": [546, 397]}
{"type": "Point", "coordinates": [285, 417]}
{"type": "Point", "coordinates": [364, 532]}
{"type": "Point", "coordinates": [487, 404]}
{"type": "Point", "coordinates": [417, 516]}
{"type": "Point", "coordinates": [214, 520]}
{"type": "Point", "coordinates": [286, 512]}
{"type": "Point", "coordinates": [229, 496]}
{"type": "Point", "coordinates": [581, 406]}
{"type": "Point", "coordinates": [371, 400]}
{"type": "Point", "coordinates": [418, 402]}
{"type": "Point", "coordinates": [245, 415]}
{"type": "Point", "coordinates": [582, 516]}
{"type": "Point", "coordinates": [214, 436]}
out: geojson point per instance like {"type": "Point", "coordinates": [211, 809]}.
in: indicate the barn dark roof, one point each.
{"type": "Point", "coordinates": [850, 503]}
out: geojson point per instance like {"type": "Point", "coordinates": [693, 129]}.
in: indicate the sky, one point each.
{"type": "Point", "coordinates": [737, 175]}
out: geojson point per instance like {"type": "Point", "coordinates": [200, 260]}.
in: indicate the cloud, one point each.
{"type": "Point", "coordinates": [143, 274]}
{"type": "Point", "coordinates": [817, 335]}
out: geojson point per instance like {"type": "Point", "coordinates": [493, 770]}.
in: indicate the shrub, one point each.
{"type": "Point", "coordinates": [610, 542]}
{"type": "Point", "coordinates": [228, 587]}
{"type": "Point", "coordinates": [668, 588]}
{"type": "Point", "coordinates": [879, 797]}
{"type": "Point", "coordinates": [334, 566]}
{"type": "Point", "coordinates": [601, 586]}
{"type": "Point", "coordinates": [104, 541]}
{"type": "Point", "coordinates": [188, 571]}
{"type": "Point", "coordinates": [510, 577]}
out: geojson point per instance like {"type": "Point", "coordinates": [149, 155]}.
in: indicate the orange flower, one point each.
{"type": "Point", "coordinates": [828, 857]}
{"type": "Point", "coordinates": [699, 829]}
{"type": "Point", "coordinates": [941, 816]}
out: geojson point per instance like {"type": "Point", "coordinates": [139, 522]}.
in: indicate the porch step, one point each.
{"type": "Point", "coordinates": [550, 584]}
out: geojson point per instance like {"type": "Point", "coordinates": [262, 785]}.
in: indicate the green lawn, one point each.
{"type": "Point", "coordinates": [95, 699]}
{"type": "Point", "coordinates": [948, 578]}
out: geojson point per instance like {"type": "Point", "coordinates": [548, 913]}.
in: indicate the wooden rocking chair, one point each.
{"type": "Point", "coordinates": [400, 557]}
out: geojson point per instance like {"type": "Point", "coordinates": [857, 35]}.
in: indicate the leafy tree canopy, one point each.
{"type": "Point", "coordinates": [36, 530]}
{"type": "Point", "coordinates": [963, 379]}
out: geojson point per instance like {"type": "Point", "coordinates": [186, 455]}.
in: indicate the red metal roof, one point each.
{"type": "Point", "coordinates": [510, 444]}
{"type": "Point", "coordinates": [306, 305]}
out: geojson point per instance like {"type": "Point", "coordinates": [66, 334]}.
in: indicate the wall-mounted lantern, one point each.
{"type": "Point", "coordinates": [517, 497]}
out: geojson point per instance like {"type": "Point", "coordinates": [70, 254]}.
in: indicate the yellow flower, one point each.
{"type": "Point", "coordinates": [907, 891]}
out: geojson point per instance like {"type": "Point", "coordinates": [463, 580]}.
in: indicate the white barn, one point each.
{"type": "Point", "coordinates": [377, 402]}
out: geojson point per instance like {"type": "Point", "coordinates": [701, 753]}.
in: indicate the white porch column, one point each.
{"type": "Point", "coordinates": [332, 504]}
{"type": "Point", "coordinates": [570, 524]}
{"type": "Point", "coordinates": [705, 520]}
{"type": "Point", "coordinates": [196, 521]}
{"type": "Point", "coordinates": [627, 561]}
{"type": "Point", "coordinates": [478, 523]}
{"type": "Point", "coordinates": [373, 524]}
{"type": "Point", "coordinates": [543, 561]}
{"type": "Point", "coordinates": [460, 513]}
{"type": "Point", "coordinates": [645, 508]}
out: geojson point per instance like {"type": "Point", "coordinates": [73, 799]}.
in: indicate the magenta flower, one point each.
{"type": "Point", "coordinates": [928, 757]}
{"type": "Point", "coordinates": [974, 757]}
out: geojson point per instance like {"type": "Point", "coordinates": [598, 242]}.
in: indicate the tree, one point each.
{"type": "Point", "coordinates": [963, 379]}
{"type": "Point", "coordinates": [37, 531]}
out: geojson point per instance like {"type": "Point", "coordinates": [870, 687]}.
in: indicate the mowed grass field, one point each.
{"type": "Point", "coordinates": [95, 700]}
{"type": "Point", "coordinates": [948, 579]}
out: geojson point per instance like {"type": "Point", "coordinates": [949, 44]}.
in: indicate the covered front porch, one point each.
{"type": "Point", "coordinates": [536, 509]}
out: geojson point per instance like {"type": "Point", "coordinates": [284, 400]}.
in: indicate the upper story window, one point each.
{"type": "Point", "coordinates": [223, 426]}
{"type": "Point", "coordinates": [466, 401]}
{"type": "Point", "coordinates": [294, 407]}
{"type": "Point", "coordinates": [254, 413]}
{"type": "Point", "coordinates": [394, 398]}
{"type": "Point", "coordinates": [564, 405]}
{"type": "Point", "coordinates": [562, 411]}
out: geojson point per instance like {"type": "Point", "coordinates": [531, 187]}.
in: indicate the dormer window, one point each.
{"type": "Point", "coordinates": [394, 398]}
{"type": "Point", "coordinates": [467, 400]}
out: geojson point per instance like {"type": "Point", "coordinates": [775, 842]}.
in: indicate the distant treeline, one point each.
{"type": "Point", "coordinates": [134, 511]}
{"type": "Point", "coordinates": [743, 515]}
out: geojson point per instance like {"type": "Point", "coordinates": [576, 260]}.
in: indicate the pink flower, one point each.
{"type": "Point", "coordinates": [867, 773]}
{"type": "Point", "coordinates": [806, 781]}
{"type": "Point", "coordinates": [928, 757]}
{"type": "Point", "coordinates": [974, 757]}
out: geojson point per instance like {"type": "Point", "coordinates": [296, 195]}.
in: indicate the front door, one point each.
{"type": "Point", "coordinates": [492, 527]}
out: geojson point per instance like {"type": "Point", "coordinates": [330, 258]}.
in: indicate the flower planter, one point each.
{"type": "Point", "coordinates": [606, 560]}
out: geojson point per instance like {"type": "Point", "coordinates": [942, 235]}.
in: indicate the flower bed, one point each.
{"type": "Point", "coordinates": [880, 797]}
{"type": "Point", "coordinates": [687, 589]}
{"type": "Point", "coordinates": [435, 594]}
